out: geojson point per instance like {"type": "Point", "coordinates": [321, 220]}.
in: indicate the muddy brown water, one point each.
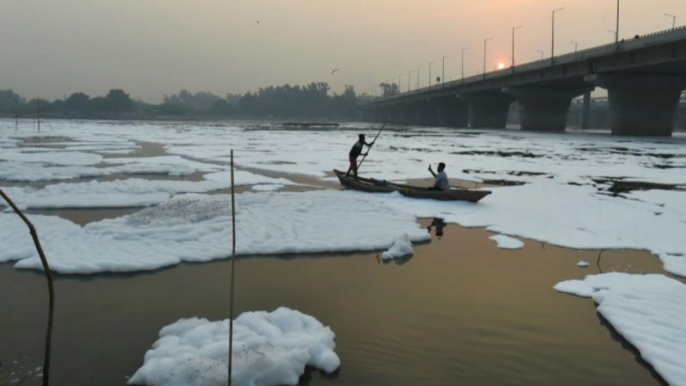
{"type": "Point", "coordinates": [460, 312]}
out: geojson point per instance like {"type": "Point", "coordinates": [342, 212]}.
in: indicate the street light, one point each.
{"type": "Point", "coordinates": [485, 41]}
{"type": "Point", "coordinates": [542, 53]}
{"type": "Point", "coordinates": [443, 72]}
{"type": "Point", "coordinates": [418, 69]}
{"type": "Point", "coordinates": [617, 28]}
{"type": "Point", "coordinates": [463, 50]}
{"type": "Point", "coordinates": [430, 63]}
{"type": "Point", "coordinates": [409, 81]}
{"type": "Point", "coordinates": [673, 19]}
{"type": "Point", "coordinates": [400, 83]}
{"type": "Point", "coordinates": [513, 43]}
{"type": "Point", "coordinates": [613, 32]}
{"type": "Point", "coordinates": [576, 45]}
{"type": "Point", "coordinates": [552, 51]}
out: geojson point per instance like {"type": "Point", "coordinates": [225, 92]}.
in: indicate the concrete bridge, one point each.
{"type": "Point", "coordinates": [644, 78]}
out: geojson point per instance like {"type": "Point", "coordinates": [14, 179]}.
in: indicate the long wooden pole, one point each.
{"type": "Point", "coordinates": [51, 289]}
{"type": "Point", "coordinates": [233, 269]}
{"type": "Point", "coordinates": [370, 148]}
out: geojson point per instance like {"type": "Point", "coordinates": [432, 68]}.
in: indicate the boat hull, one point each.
{"type": "Point", "coordinates": [375, 186]}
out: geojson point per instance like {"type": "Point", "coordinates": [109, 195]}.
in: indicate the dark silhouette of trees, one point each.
{"type": "Point", "coordinates": [389, 89]}
{"type": "Point", "coordinates": [77, 102]}
{"type": "Point", "coordinates": [309, 101]}
{"type": "Point", "coordinates": [186, 102]}
{"type": "Point", "coordinates": [9, 100]}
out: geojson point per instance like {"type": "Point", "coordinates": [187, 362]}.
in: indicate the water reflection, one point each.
{"type": "Point", "coordinates": [437, 224]}
{"type": "Point", "coordinates": [51, 291]}
{"type": "Point", "coordinates": [399, 261]}
{"type": "Point", "coordinates": [310, 372]}
{"type": "Point", "coordinates": [626, 345]}
{"type": "Point", "coordinates": [600, 256]}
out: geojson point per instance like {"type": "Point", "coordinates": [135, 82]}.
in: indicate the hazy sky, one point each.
{"type": "Point", "coordinates": [151, 48]}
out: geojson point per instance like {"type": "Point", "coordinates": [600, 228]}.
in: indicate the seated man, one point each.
{"type": "Point", "coordinates": [442, 183]}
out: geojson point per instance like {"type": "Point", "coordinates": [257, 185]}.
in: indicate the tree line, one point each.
{"type": "Point", "coordinates": [313, 100]}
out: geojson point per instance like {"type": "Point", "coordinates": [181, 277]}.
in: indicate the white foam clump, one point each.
{"type": "Point", "coordinates": [649, 311]}
{"type": "Point", "coordinates": [571, 216]}
{"type": "Point", "coordinates": [269, 349]}
{"type": "Point", "coordinates": [131, 192]}
{"type": "Point", "coordinates": [401, 248]}
{"type": "Point", "coordinates": [198, 228]}
{"type": "Point", "coordinates": [583, 264]}
{"type": "Point", "coordinates": [66, 158]}
{"type": "Point", "coordinates": [172, 165]}
{"type": "Point", "coordinates": [507, 242]}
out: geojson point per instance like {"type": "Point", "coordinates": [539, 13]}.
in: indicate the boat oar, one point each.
{"type": "Point", "coordinates": [370, 147]}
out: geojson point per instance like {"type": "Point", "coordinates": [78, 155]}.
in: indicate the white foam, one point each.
{"type": "Point", "coordinates": [67, 158]}
{"type": "Point", "coordinates": [569, 216]}
{"type": "Point", "coordinates": [649, 311]}
{"type": "Point", "coordinates": [547, 209]}
{"type": "Point", "coordinates": [269, 349]}
{"type": "Point", "coordinates": [267, 188]}
{"type": "Point", "coordinates": [198, 228]}
{"type": "Point", "coordinates": [401, 248]}
{"type": "Point", "coordinates": [506, 242]}
{"type": "Point", "coordinates": [171, 165]}
{"type": "Point", "coordinates": [130, 192]}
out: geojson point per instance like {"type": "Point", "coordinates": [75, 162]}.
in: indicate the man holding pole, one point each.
{"type": "Point", "coordinates": [355, 152]}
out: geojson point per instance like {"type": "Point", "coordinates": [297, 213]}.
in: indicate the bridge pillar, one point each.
{"type": "Point", "coordinates": [643, 105]}
{"type": "Point", "coordinates": [425, 113]}
{"type": "Point", "coordinates": [393, 114]}
{"type": "Point", "coordinates": [488, 110]}
{"type": "Point", "coordinates": [406, 115]}
{"type": "Point", "coordinates": [586, 111]}
{"type": "Point", "coordinates": [452, 112]}
{"type": "Point", "coordinates": [387, 114]}
{"type": "Point", "coordinates": [544, 108]}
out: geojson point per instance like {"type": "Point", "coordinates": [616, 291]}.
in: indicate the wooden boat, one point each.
{"type": "Point", "coordinates": [376, 186]}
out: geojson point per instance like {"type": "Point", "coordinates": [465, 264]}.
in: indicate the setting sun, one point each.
{"type": "Point", "coordinates": [501, 66]}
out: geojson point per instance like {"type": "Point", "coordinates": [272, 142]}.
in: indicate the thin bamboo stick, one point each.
{"type": "Point", "coordinates": [51, 290]}
{"type": "Point", "coordinates": [233, 269]}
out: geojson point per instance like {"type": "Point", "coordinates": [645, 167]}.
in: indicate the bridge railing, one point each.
{"type": "Point", "coordinates": [640, 41]}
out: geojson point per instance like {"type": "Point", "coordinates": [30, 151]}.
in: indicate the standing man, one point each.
{"type": "Point", "coordinates": [441, 177]}
{"type": "Point", "coordinates": [355, 152]}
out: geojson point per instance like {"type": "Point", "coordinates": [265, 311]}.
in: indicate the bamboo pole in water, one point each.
{"type": "Point", "coordinates": [233, 269]}
{"type": "Point", "coordinates": [51, 290]}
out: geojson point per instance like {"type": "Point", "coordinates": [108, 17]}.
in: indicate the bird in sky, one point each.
{"type": "Point", "coordinates": [335, 71]}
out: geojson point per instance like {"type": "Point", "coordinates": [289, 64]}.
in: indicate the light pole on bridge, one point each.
{"type": "Point", "coordinates": [552, 51]}
{"type": "Point", "coordinates": [463, 50]}
{"type": "Point", "coordinates": [430, 63]}
{"type": "Point", "coordinates": [673, 19]}
{"type": "Point", "coordinates": [409, 81]}
{"type": "Point", "coordinates": [576, 46]}
{"type": "Point", "coordinates": [617, 28]}
{"type": "Point", "coordinates": [443, 72]}
{"type": "Point", "coordinates": [513, 43]}
{"type": "Point", "coordinates": [418, 70]}
{"type": "Point", "coordinates": [542, 53]}
{"type": "Point", "coordinates": [485, 41]}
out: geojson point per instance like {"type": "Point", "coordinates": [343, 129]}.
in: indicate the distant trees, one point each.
{"type": "Point", "coordinates": [311, 100]}
{"type": "Point", "coordinates": [389, 89]}
{"type": "Point", "coordinates": [186, 102]}
{"type": "Point", "coordinates": [77, 101]}
{"type": "Point", "coordinates": [10, 100]}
